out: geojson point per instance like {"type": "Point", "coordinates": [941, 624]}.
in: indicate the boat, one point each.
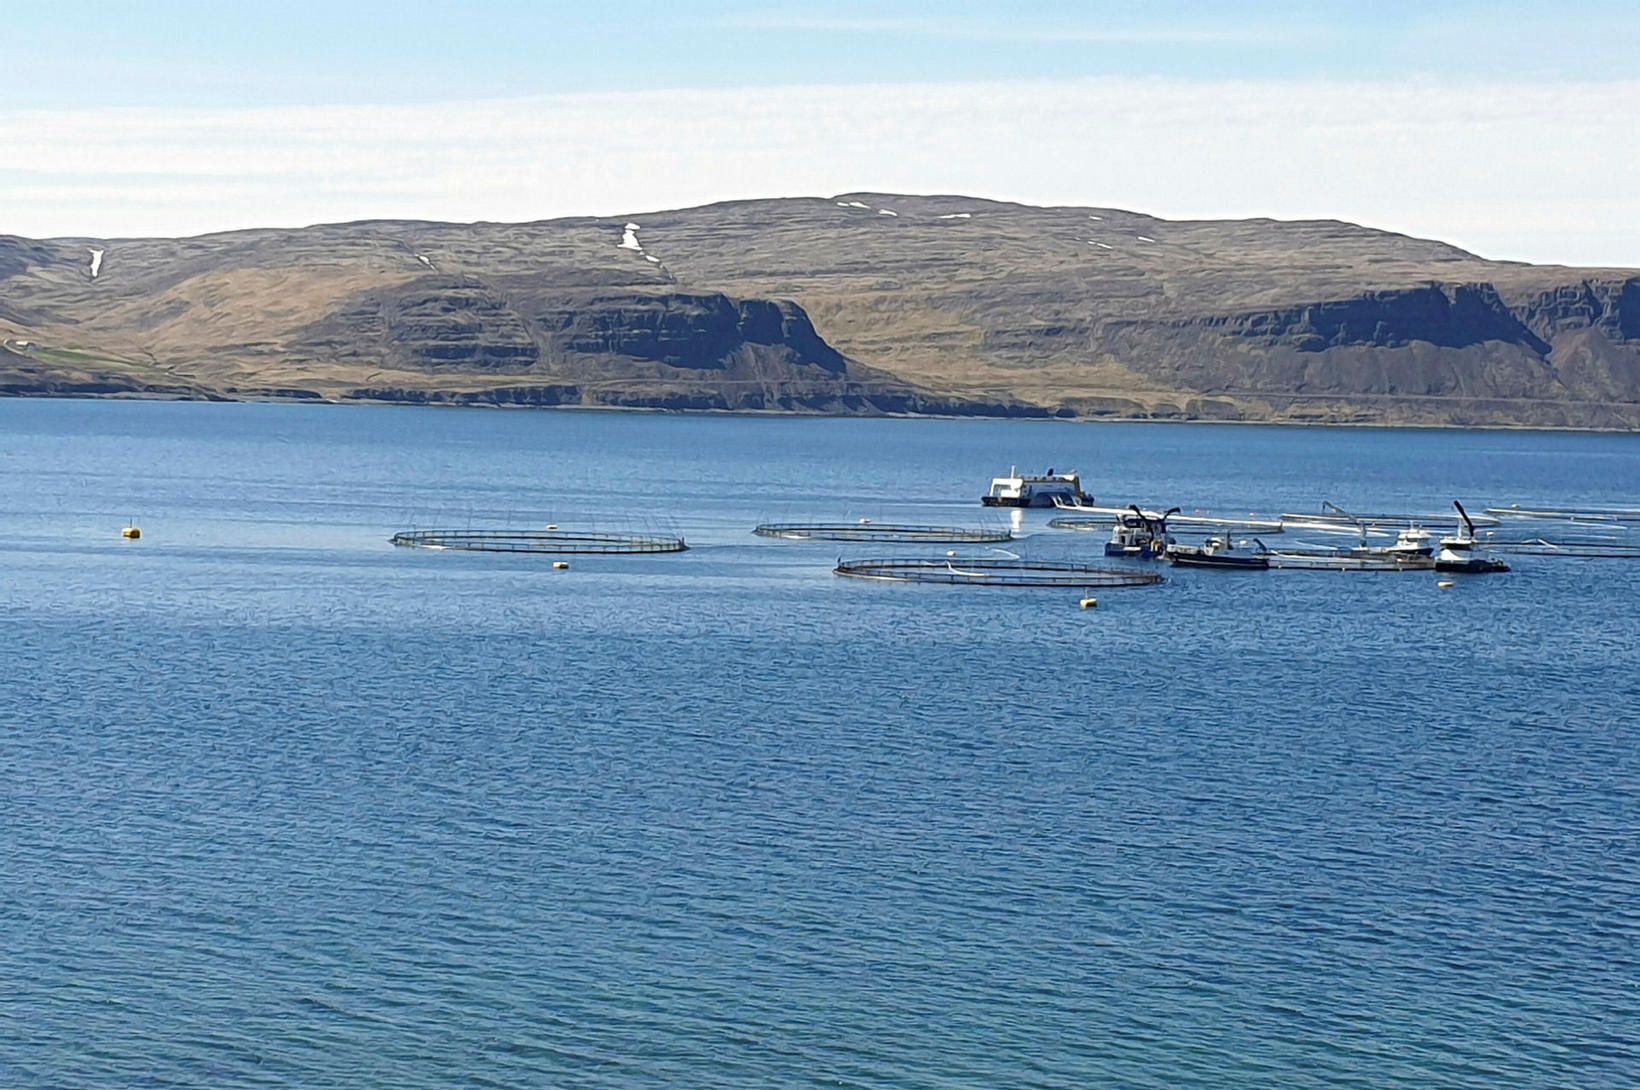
{"type": "Point", "coordinates": [1413, 542]}
{"type": "Point", "coordinates": [1028, 490]}
{"type": "Point", "coordinates": [1413, 550]}
{"type": "Point", "coordinates": [1140, 535]}
{"type": "Point", "coordinates": [1218, 552]}
{"type": "Point", "coordinates": [1461, 552]}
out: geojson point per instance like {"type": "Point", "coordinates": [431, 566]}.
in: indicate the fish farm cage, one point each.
{"type": "Point", "coordinates": [557, 542]}
{"type": "Point", "coordinates": [881, 532]}
{"type": "Point", "coordinates": [1590, 550]}
{"type": "Point", "coordinates": [1178, 526]}
{"type": "Point", "coordinates": [996, 572]}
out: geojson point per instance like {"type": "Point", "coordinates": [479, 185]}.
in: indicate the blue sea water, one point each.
{"type": "Point", "coordinates": [281, 805]}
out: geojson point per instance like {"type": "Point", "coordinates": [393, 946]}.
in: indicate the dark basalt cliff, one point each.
{"type": "Point", "coordinates": [866, 303]}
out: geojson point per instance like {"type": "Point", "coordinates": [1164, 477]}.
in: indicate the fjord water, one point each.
{"type": "Point", "coordinates": [282, 805]}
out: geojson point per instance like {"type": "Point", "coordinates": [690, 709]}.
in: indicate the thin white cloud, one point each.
{"type": "Point", "coordinates": [967, 30]}
{"type": "Point", "coordinates": [1526, 172]}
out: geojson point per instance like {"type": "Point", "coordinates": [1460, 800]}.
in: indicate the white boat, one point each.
{"type": "Point", "coordinates": [1219, 552]}
{"type": "Point", "coordinates": [1414, 541]}
{"type": "Point", "coordinates": [1413, 550]}
{"type": "Point", "coordinates": [1031, 490]}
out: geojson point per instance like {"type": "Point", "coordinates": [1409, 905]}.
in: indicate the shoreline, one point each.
{"type": "Point", "coordinates": [313, 399]}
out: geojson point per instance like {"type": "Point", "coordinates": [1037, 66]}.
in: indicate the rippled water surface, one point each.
{"type": "Point", "coordinates": [283, 805]}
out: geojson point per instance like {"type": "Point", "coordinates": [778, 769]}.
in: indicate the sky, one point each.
{"type": "Point", "coordinates": [1511, 129]}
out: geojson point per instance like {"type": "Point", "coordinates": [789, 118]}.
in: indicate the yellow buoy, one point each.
{"type": "Point", "coordinates": [130, 533]}
{"type": "Point", "coordinates": [1444, 583]}
{"type": "Point", "coordinates": [560, 565]}
{"type": "Point", "coordinates": [1089, 602]}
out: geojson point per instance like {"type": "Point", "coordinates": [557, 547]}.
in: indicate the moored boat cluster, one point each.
{"type": "Point", "coordinates": [1235, 544]}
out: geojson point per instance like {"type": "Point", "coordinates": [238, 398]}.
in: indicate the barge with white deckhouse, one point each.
{"type": "Point", "coordinates": [1032, 490]}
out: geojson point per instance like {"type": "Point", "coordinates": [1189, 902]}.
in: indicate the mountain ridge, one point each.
{"type": "Point", "coordinates": [858, 303]}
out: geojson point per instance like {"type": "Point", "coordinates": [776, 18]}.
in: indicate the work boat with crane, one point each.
{"type": "Point", "coordinates": [1140, 534]}
{"type": "Point", "coordinates": [1030, 490]}
{"type": "Point", "coordinates": [1462, 553]}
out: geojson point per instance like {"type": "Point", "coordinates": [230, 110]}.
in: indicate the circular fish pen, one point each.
{"type": "Point", "coordinates": [887, 533]}
{"type": "Point", "coordinates": [996, 572]}
{"type": "Point", "coordinates": [555, 542]}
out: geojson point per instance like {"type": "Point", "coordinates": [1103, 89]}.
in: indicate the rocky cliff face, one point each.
{"type": "Point", "coordinates": [861, 303]}
{"type": "Point", "coordinates": [1457, 348]}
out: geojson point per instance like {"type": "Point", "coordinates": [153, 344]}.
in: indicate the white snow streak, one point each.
{"type": "Point", "coordinates": [629, 238]}
{"type": "Point", "coordinates": [1143, 238]}
{"type": "Point", "coordinates": [423, 259]}
{"type": "Point", "coordinates": [96, 263]}
{"type": "Point", "coordinates": [957, 216]}
{"type": "Point", "coordinates": [886, 212]}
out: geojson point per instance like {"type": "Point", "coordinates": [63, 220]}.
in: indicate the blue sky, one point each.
{"type": "Point", "coordinates": [73, 53]}
{"type": "Point", "coordinates": [180, 117]}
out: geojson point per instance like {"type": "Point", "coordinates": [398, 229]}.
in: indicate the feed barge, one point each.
{"type": "Point", "coordinates": [1035, 490]}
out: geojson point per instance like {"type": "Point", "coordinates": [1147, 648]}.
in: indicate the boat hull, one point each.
{"type": "Point", "coordinates": [1036, 496]}
{"type": "Point", "coordinates": [1017, 501]}
{"type": "Point", "coordinates": [1134, 552]}
{"type": "Point", "coordinates": [1471, 566]}
{"type": "Point", "coordinates": [1207, 560]}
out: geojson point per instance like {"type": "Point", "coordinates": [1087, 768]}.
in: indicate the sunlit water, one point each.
{"type": "Point", "coordinates": [283, 805]}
